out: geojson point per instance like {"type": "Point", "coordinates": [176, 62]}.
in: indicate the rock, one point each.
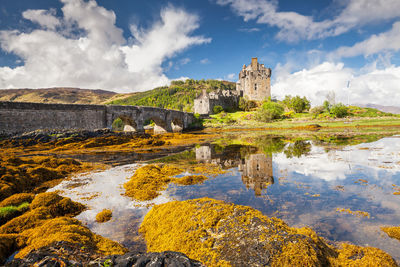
{"type": "Point", "coordinates": [71, 254]}
{"type": "Point", "coordinates": [219, 233]}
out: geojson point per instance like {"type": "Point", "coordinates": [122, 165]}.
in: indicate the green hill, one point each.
{"type": "Point", "coordinates": [179, 95]}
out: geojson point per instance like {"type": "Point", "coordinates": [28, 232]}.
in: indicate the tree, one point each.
{"type": "Point", "coordinates": [327, 106]}
{"type": "Point", "coordinates": [339, 110]}
{"type": "Point", "coordinates": [269, 111]}
{"type": "Point", "coordinates": [297, 104]}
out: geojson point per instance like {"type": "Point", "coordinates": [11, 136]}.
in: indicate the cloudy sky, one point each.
{"type": "Point", "coordinates": [314, 47]}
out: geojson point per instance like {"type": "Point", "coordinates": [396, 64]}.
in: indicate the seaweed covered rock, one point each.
{"type": "Point", "coordinates": [104, 216]}
{"type": "Point", "coordinates": [18, 175]}
{"type": "Point", "coordinates": [76, 254]}
{"type": "Point", "coordinates": [17, 199]}
{"type": "Point", "coordinates": [218, 233]}
{"type": "Point", "coordinates": [392, 231]}
{"type": "Point", "coordinates": [149, 180]}
{"type": "Point", "coordinates": [37, 227]}
{"type": "Point", "coordinates": [9, 212]}
{"type": "Point", "coordinates": [66, 229]}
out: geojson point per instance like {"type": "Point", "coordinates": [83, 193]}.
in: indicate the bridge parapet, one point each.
{"type": "Point", "coordinates": [19, 117]}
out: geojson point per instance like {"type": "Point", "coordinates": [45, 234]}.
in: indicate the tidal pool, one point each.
{"type": "Point", "coordinates": [344, 193]}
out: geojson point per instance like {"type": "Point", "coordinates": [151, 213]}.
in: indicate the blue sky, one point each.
{"type": "Point", "coordinates": [313, 47]}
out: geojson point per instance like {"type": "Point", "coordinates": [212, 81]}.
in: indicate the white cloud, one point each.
{"type": "Point", "coordinates": [205, 61]}
{"type": "Point", "coordinates": [249, 29]}
{"type": "Point", "coordinates": [386, 41]}
{"type": "Point", "coordinates": [89, 51]}
{"type": "Point", "coordinates": [184, 61]}
{"type": "Point", "coordinates": [294, 26]}
{"type": "Point", "coordinates": [378, 86]}
{"type": "Point", "coordinates": [45, 18]}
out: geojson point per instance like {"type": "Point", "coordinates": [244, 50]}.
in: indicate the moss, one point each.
{"type": "Point", "coordinates": [392, 231]}
{"type": "Point", "coordinates": [66, 229]}
{"type": "Point", "coordinates": [9, 212]}
{"type": "Point", "coordinates": [17, 199]}
{"type": "Point", "coordinates": [149, 180]}
{"type": "Point", "coordinates": [104, 216]}
{"type": "Point", "coordinates": [218, 233]}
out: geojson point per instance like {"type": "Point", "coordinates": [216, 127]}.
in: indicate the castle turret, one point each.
{"type": "Point", "coordinates": [255, 81]}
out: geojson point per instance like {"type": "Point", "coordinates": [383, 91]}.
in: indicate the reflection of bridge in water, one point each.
{"type": "Point", "coordinates": [256, 168]}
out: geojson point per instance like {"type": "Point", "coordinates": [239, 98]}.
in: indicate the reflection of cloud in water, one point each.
{"type": "Point", "coordinates": [104, 190]}
{"type": "Point", "coordinates": [336, 164]}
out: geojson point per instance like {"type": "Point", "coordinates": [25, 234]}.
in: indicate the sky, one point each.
{"type": "Point", "coordinates": [315, 48]}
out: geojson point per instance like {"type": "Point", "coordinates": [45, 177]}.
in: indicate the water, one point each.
{"type": "Point", "coordinates": [303, 183]}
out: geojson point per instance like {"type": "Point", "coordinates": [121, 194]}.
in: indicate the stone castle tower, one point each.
{"type": "Point", "coordinates": [254, 84]}
{"type": "Point", "coordinates": [255, 81]}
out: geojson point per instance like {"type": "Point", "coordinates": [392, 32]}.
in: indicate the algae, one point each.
{"type": "Point", "coordinates": [65, 229]}
{"type": "Point", "coordinates": [17, 199]}
{"type": "Point", "coordinates": [22, 174]}
{"type": "Point", "coordinates": [104, 216]}
{"type": "Point", "coordinates": [223, 234]}
{"type": "Point", "coordinates": [392, 231]}
{"type": "Point", "coordinates": [149, 180]}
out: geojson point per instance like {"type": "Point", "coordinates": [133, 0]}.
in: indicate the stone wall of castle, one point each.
{"type": "Point", "coordinates": [205, 102]}
{"type": "Point", "coordinates": [255, 81]}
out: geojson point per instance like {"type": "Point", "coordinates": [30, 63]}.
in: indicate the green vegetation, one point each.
{"type": "Point", "coordinates": [269, 111]}
{"type": "Point", "coordinates": [247, 105]}
{"type": "Point", "coordinates": [118, 125]}
{"type": "Point", "coordinates": [339, 110]}
{"type": "Point", "coordinates": [296, 103]}
{"type": "Point", "coordinates": [179, 95]}
{"type": "Point", "coordinates": [217, 109]}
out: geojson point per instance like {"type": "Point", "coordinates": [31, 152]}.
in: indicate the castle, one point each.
{"type": "Point", "coordinates": [254, 84]}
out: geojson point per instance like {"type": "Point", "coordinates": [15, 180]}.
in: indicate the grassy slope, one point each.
{"type": "Point", "coordinates": [360, 117]}
{"type": "Point", "coordinates": [179, 95]}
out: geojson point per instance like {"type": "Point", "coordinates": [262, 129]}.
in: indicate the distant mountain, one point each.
{"type": "Point", "coordinates": [59, 95]}
{"type": "Point", "coordinates": [388, 109]}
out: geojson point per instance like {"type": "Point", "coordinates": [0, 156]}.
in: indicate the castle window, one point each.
{"type": "Point", "coordinates": [201, 101]}
{"type": "Point", "coordinates": [255, 87]}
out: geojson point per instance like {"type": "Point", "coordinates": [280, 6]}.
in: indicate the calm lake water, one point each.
{"type": "Point", "coordinates": [303, 182]}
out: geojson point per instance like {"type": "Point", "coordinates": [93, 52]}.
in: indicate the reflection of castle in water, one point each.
{"type": "Point", "coordinates": [257, 172]}
{"type": "Point", "coordinates": [256, 168]}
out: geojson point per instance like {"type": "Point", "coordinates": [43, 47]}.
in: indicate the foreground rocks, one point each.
{"type": "Point", "coordinates": [222, 234]}
{"type": "Point", "coordinates": [70, 254]}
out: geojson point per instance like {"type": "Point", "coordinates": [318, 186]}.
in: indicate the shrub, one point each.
{"type": "Point", "coordinates": [247, 105]}
{"type": "Point", "coordinates": [118, 125]}
{"type": "Point", "coordinates": [288, 114]}
{"type": "Point", "coordinates": [339, 110]}
{"type": "Point", "coordinates": [317, 110]}
{"type": "Point", "coordinates": [217, 109]}
{"type": "Point", "coordinates": [269, 111]}
{"type": "Point", "coordinates": [327, 106]}
{"type": "Point", "coordinates": [296, 103]}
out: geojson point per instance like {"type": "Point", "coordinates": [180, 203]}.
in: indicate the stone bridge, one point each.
{"type": "Point", "coordinates": [19, 117]}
